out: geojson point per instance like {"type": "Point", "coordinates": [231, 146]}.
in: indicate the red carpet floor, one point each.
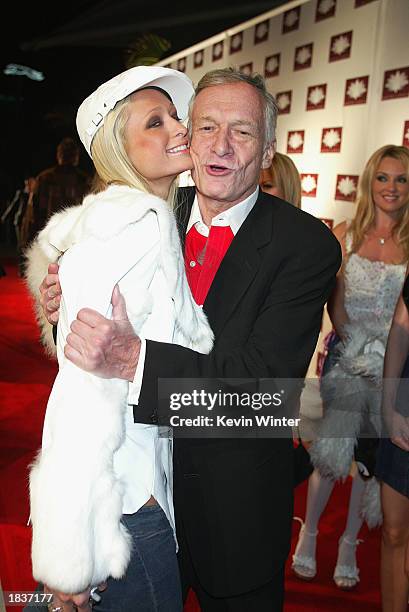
{"type": "Point", "coordinates": [25, 379]}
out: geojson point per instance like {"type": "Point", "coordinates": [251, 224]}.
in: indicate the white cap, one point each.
{"type": "Point", "coordinates": [92, 112]}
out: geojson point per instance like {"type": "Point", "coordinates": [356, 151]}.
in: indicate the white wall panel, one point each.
{"type": "Point", "coordinates": [379, 42]}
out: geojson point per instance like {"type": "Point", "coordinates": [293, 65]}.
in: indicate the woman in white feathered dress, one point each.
{"type": "Point", "coordinates": [101, 486]}
{"type": "Point", "coordinates": [375, 248]}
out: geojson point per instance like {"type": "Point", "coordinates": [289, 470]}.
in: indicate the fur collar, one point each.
{"type": "Point", "coordinates": [103, 215]}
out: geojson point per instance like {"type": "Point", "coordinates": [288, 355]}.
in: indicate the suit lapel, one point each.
{"type": "Point", "coordinates": [242, 260]}
{"type": "Point", "coordinates": [184, 203]}
{"type": "Point", "coordinates": [240, 264]}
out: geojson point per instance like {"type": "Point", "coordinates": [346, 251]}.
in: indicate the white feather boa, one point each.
{"type": "Point", "coordinates": [363, 350]}
{"type": "Point", "coordinates": [76, 499]}
{"type": "Point", "coordinates": [348, 389]}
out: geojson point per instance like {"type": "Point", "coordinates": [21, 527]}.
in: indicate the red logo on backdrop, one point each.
{"type": "Point", "coordinates": [396, 83]}
{"type": "Point", "coordinates": [303, 56]}
{"type": "Point", "coordinates": [356, 90]}
{"type": "Point", "coordinates": [405, 141]}
{"type": "Point", "coordinates": [309, 184]}
{"type": "Point", "coordinates": [181, 64]}
{"type": "Point", "coordinates": [261, 31]}
{"type": "Point", "coordinates": [340, 46]}
{"type": "Point", "coordinates": [295, 141]}
{"type": "Point", "coordinates": [272, 65]}
{"type": "Point", "coordinates": [217, 51]}
{"type": "Point", "coordinates": [283, 99]}
{"type": "Point", "coordinates": [346, 187]}
{"type": "Point", "coordinates": [359, 3]}
{"type": "Point", "coordinates": [328, 222]}
{"type": "Point", "coordinates": [247, 68]}
{"type": "Point", "coordinates": [236, 42]}
{"type": "Point", "coordinates": [198, 59]}
{"type": "Point", "coordinates": [316, 96]}
{"type": "Point", "coordinates": [331, 140]}
{"type": "Point", "coordinates": [325, 9]}
{"type": "Point", "coordinates": [291, 20]}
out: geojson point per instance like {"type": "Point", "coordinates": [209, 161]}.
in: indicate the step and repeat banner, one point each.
{"type": "Point", "coordinates": [339, 70]}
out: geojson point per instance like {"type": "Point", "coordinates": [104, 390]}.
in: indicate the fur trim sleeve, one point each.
{"type": "Point", "coordinates": [75, 497]}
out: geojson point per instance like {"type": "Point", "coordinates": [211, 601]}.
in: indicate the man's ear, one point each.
{"type": "Point", "coordinates": [268, 155]}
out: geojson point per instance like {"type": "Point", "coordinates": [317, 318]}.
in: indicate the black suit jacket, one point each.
{"type": "Point", "coordinates": [265, 307]}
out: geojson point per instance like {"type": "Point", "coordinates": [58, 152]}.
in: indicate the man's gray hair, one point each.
{"type": "Point", "coordinates": [226, 76]}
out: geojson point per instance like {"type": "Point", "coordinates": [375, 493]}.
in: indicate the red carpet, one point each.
{"type": "Point", "coordinates": [25, 379]}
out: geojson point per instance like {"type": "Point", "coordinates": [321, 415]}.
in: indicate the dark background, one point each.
{"type": "Point", "coordinates": [77, 45]}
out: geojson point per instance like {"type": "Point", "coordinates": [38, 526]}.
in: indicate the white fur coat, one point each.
{"type": "Point", "coordinates": [76, 499]}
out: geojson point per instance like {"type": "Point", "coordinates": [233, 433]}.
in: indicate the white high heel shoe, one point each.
{"type": "Point", "coordinates": [304, 566]}
{"type": "Point", "coordinates": [346, 576]}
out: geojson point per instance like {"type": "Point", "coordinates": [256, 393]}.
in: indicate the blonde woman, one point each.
{"type": "Point", "coordinates": [375, 247]}
{"type": "Point", "coordinates": [282, 180]}
{"type": "Point", "coordinates": [101, 486]}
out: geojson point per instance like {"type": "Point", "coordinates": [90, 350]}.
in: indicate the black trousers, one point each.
{"type": "Point", "coordinates": [267, 598]}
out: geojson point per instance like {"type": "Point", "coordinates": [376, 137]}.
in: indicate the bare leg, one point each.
{"type": "Point", "coordinates": [319, 491]}
{"type": "Point", "coordinates": [407, 559]}
{"type": "Point", "coordinates": [346, 574]}
{"type": "Point", "coordinates": [395, 536]}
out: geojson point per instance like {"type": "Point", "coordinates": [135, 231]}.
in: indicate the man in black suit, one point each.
{"type": "Point", "coordinates": [233, 497]}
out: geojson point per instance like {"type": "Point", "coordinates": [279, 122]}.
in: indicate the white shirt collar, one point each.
{"type": "Point", "coordinates": [234, 216]}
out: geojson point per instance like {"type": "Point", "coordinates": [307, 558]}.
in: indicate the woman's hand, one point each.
{"type": "Point", "coordinates": [50, 294]}
{"type": "Point", "coordinates": [63, 602]}
{"type": "Point", "coordinates": [399, 430]}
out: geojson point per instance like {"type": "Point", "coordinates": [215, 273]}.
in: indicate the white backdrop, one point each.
{"type": "Point", "coordinates": [340, 72]}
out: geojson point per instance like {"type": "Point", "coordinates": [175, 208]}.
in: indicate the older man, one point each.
{"type": "Point", "coordinates": [263, 271]}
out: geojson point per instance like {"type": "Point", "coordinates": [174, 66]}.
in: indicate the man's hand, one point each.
{"type": "Point", "coordinates": [104, 347]}
{"type": "Point", "coordinates": [50, 294]}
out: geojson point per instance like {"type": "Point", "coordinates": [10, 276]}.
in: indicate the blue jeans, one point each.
{"type": "Point", "coordinates": [151, 582]}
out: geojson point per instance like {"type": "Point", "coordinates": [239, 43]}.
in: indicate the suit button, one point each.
{"type": "Point", "coordinates": [154, 417]}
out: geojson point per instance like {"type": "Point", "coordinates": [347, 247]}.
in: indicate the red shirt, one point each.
{"type": "Point", "coordinates": [203, 256]}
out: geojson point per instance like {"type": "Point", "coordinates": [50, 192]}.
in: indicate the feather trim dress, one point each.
{"type": "Point", "coordinates": [351, 389]}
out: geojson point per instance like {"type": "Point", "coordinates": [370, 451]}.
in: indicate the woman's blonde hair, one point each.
{"type": "Point", "coordinates": [111, 161]}
{"type": "Point", "coordinates": [365, 205]}
{"type": "Point", "coordinates": [284, 175]}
